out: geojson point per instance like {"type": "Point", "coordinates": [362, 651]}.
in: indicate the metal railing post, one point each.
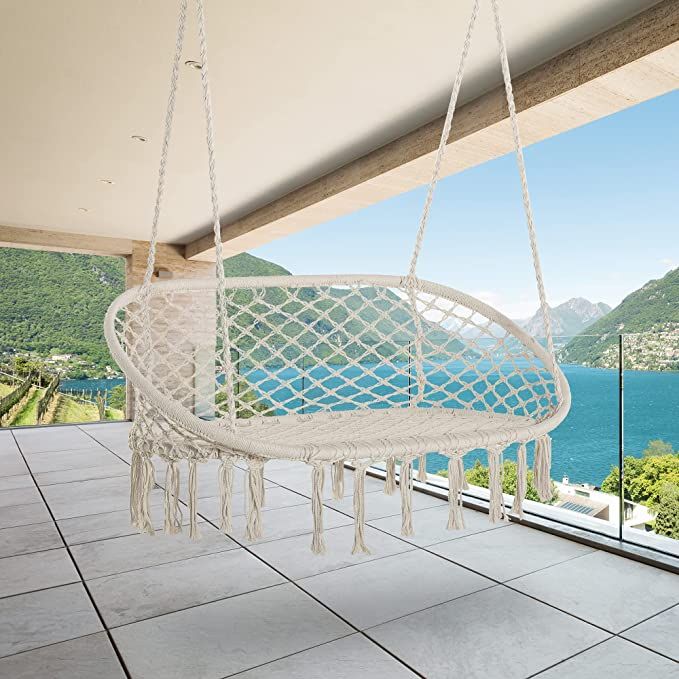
{"type": "Point", "coordinates": [621, 433]}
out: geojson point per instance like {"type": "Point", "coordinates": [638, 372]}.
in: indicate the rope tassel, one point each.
{"type": "Point", "coordinates": [390, 478]}
{"type": "Point", "coordinates": [194, 533]}
{"type": "Point", "coordinates": [142, 480]}
{"type": "Point", "coordinates": [317, 483]}
{"type": "Point", "coordinates": [225, 493]}
{"type": "Point", "coordinates": [541, 467]}
{"type": "Point", "coordinates": [422, 468]}
{"type": "Point", "coordinates": [406, 484]}
{"type": "Point", "coordinates": [337, 471]}
{"type": "Point", "coordinates": [521, 481]}
{"type": "Point", "coordinates": [173, 513]}
{"type": "Point", "coordinates": [359, 511]}
{"type": "Point", "coordinates": [496, 507]}
{"type": "Point", "coordinates": [253, 530]}
{"type": "Point", "coordinates": [455, 517]}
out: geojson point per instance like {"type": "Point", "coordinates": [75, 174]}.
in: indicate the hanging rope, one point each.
{"type": "Point", "coordinates": [518, 147]}
{"type": "Point", "coordinates": [441, 152]}
{"type": "Point", "coordinates": [223, 319]}
{"type": "Point", "coordinates": [145, 351]}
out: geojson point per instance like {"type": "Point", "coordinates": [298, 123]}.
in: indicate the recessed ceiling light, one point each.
{"type": "Point", "coordinates": [83, 209]}
{"type": "Point", "coordinates": [194, 64]}
{"type": "Point", "coordinates": [107, 181]}
{"type": "Point", "coordinates": [139, 137]}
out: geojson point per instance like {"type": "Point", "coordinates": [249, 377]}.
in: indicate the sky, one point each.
{"type": "Point", "coordinates": [604, 196]}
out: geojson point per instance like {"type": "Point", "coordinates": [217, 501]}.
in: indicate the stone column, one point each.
{"type": "Point", "coordinates": [195, 319]}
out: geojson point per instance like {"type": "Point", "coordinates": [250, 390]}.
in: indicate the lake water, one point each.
{"type": "Point", "coordinates": [586, 444]}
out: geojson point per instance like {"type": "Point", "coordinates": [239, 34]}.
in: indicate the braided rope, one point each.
{"type": "Point", "coordinates": [143, 299]}
{"type": "Point", "coordinates": [441, 152]}
{"type": "Point", "coordinates": [223, 320]}
{"type": "Point", "coordinates": [518, 146]}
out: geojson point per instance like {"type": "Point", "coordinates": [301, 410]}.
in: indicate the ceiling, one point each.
{"type": "Point", "coordinates": [299, 88]}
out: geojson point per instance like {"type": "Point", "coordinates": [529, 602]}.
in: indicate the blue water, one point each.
{"type": "Point", "coordinates": [585, 445]}
{"type": "Point", "coordinates": [90, 387]}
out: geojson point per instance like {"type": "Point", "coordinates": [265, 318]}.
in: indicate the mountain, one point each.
{"type": "Point", "coordinates": [568, 319]}
{"type": "Point", "coordinates": [652, 309]}
{"type": "Point", "coordinates": [54, 303]}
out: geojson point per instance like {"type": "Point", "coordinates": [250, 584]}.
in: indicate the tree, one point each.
{"type": "Point", "coordinates": [645, 478]}
{"type": "Point", "coordinates": [667, 518]}
{"type": "Point", "coordinates": [658, 447]}
{"type": "Point", "coordinates": [116, 397]}
{"type": "Point", "coordinates": [479, 476]}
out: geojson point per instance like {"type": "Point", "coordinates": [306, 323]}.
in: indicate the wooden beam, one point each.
{"type": "Point", "coordinates": [61, 241]}
{"type": "Point", "coordinates": [602, 75]}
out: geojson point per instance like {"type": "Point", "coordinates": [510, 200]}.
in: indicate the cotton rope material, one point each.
{"type": "Point", "coordinates": [326, 369]}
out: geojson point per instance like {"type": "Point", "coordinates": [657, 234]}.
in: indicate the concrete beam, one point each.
{"type": "Point", "coordinates": [631, 62]}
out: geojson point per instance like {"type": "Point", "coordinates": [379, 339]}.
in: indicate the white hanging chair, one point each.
{"type": "Point", "coordinates": [329, 369]}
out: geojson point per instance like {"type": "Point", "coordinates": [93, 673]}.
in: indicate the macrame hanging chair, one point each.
{"type": "Point", "coordinates": [328, 370]}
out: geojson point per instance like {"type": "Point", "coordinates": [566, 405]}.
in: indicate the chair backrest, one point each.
{"type": "Point", "coordinates": [305, 344]}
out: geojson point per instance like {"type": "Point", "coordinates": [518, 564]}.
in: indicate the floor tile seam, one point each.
{"type": "Point", "coordinates": [86, 589]}
{"type": "Point", "coordinates": [52, 643]}
{"type": "Point", "coordinates": [32, 552]}
{"type": "Point", "coordinates": [231, 548]}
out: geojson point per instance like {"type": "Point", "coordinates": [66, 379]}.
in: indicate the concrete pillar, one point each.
{"type": "Point", "coordinates": [193, 320]}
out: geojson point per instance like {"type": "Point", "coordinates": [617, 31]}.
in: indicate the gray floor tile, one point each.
{"type": "Point", "coordinates": [32, 538]}
{"type": "Point", "coordinates": [19, 496]}
{"type": "Point", "coordinates": [614, 658]}
{"type": "Point", "coordinates": [14, 482]}
{"type": "Point", "coordinates": [44, 439]}
{"type": "Point", "coordinates": [430, 525]}
{"type": "Point", "coordinates": [274, 498]}
{"type": "Point", "coordinates": [28, 572]}
{"type": "Point", "coordinates": [352, 657]}
{"type": "Point", "coordinates": [94, 496]}
{"type": "Point", "coordinates": [12, 464]}
{"type": "Point", "coordinates": [288, 522]}
{"type": "Point", "coordinates": [298, 478]}
{"type": "Point", "coordinates": [372, 593]}
{"type": "Point", "coordinates": [94, 527]}
{"type": "Point", "coordinates": [493, 633]}
{"type": "Point", "coordinates": [63, 460]}
{"type": "Point", "coordinates": [39, 618]}
{"type": "Point", "coordinates": [292, 556]}
{"type": "Point", "coordinates": [224, 637]}
{"type": "Point", "coordinates": [523, 550]}
{"type": "Point", "coordinates": [132, 596]}
{"type": "Point", "coordinates": [105, 471]}
{"type": "Point", "coordinates": [660, 633]}
{"type": "Point", "coordinates": [593, 587]}
{"type": "Point", "coordinates": [97, 559]}
{"type": "Point", "coordinates": [23, 515]}
{"type": "Point", "coordinates": [379, 505]}
{"type": "Point", "coordinates": [7, 443]}
{"type": "Point", "coordinates": [82, 658]}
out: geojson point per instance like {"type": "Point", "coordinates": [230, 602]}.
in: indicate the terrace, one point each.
{"type": "Point", "coordinates": [581, 586]}
{"type": "Point", "coordinates": [83, 595]}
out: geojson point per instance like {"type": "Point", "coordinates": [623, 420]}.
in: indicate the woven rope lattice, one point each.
{"type": "Point", "coordinates": [303, 346]}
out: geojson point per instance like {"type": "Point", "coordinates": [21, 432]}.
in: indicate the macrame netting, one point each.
{"type": "Point", "coordinates": [328, 370]}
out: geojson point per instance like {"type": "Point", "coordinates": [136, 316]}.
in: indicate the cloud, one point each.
{"type": "Point", "coordinates": [667, 263]}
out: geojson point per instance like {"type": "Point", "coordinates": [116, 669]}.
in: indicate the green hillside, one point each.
{"type": "Point", "coordinates": [54, 303]}
{"type": "Point", "coordinates": [653, 309]}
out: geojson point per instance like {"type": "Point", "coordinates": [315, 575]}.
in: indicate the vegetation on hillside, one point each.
{"type": "Point", "coordinates": [53, 304]}
{"type": "Point", "coordinates": [653, 309]}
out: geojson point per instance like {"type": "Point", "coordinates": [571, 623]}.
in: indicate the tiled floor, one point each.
{"type": "Point", "coordinates": [83, 596]}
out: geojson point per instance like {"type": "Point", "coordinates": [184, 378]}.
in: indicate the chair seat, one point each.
{"type": "Point", "coordinates": [382, 433]}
